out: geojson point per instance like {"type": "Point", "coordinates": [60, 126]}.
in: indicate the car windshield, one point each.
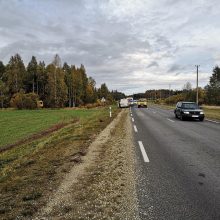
{"type": "Point", "coordinates": [190, 106]}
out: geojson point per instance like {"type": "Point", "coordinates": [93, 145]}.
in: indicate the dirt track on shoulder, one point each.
{"type": "Point", "coordinates": [102, 186]}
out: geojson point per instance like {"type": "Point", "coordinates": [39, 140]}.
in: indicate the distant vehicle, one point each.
{"type": "Point", "coordinates": [130, 101]}
{"type": "Point", "coordinates": [134, 102]}
{"type": "Point", "coordinates": [142, 103]}
{"type": "Point", "coordinates": [124, 103]}
{"type": "Point", "coordinates": [188, 110]}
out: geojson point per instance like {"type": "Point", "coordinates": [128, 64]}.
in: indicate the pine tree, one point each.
{"type": "Point", "coordinates": [41, 79]}
{"type": "Point", "coordinates": [213, 89]}
{"type": "Point", "coordinates": [69, 82]}
{"type": "Point", "coordinates": [15, 74]}
{"type": "Point", "coordinates": [2, 69]}
{"type": "Point", "coordinates": [3, 93]}
{"type": "Point", "coordinates": [32, 75]}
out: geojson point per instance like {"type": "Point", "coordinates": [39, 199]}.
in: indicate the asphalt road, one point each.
{"type": "Point", "coordinates": [179, 176]}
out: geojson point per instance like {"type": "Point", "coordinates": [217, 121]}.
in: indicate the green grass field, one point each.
{"type": "Point", "coordinates": [28, 171]}
{"type": "Point", "coordinates": [18, 124]}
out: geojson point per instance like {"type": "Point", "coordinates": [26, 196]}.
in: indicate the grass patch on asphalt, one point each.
{"type": "Point", "coordinates": [30, 172]}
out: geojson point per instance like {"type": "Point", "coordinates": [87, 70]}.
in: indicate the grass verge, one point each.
{"type": "Point", "coordinates": [29, 173]}
{"type": "Point", "coordinates": [105, 189]}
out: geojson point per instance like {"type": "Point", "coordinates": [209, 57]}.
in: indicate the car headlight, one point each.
{"type": "Point", "coordinates": [186, 112]}
{"type": "Point", "coordinates": [201, 113]}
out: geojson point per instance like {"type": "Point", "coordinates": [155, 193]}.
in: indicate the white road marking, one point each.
{"type": "Point", "coordinates": [154, 112]}
{"type": "Point", "coordinates": [131, 115]}
{"type": "Point", "coordinates": [170, 120]}
{"type": "Point", "coordinates": [132, 119]}
{"type": "Point", "coordinates": [135, 128]}
{"type": "Point", "coordinates": [144, 154]}
{"type": "Point", "coordinates": [212, 121]}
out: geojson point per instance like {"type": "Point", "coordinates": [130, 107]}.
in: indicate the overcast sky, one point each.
{"type": "Point", "coordinates": [132, 45]}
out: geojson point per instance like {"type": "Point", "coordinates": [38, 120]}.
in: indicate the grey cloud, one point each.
{"type": "Point", "coordinates": [161, 40]}
{"type": "Point", "coordinates": [174, 68]}
{"type": "Point", "coordinates": [153, 64]}
{"type": "Point", "coordinates": [114, 48]}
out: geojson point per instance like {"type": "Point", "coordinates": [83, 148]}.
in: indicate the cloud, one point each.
{"type": "Point", "coordinates": [153, 64]}
{"type": "Point", "coordinates": [130, 45]}
{"type": "Point", "coordinates": [174, 68]}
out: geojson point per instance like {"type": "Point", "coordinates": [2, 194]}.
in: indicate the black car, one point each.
{"type": "Point", "coordinates": [188, 110]}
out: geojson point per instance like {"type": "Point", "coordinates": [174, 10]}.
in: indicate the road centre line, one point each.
{"type": "Point", "coordinates": [132, 119]}
{"type": "Point", "coordinates": [212, 121]}
{"type": "Point", "coordinates": [170, 120]}
{"type": "Point", "coordinates": [144, 154]}
{"type": "Point", "coordinates": [131, 115]}
{"type": "Point", "coordinates": [135, 129]}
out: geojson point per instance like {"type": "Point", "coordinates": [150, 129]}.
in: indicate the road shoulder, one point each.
{"type": "Point", "coordinates": [103, 185]}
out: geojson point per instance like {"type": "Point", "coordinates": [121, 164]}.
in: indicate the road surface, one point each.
{"type": "Point", "coordinates": [178, 165]}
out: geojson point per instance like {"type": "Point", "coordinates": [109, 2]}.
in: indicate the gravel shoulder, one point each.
{"type": "Point", "coordinates": [102, 185]}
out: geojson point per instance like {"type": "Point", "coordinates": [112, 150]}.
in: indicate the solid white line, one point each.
{"type": "Point", "coordinates": [135, 128]}
{"type": "Point", "coordinates": [144, 154]}
{"type": "Point", "coordinates": [212, 121]}
{"type": "Point", "coordinates": [170, 120]}
{"type": "Point", "coordinates": [132, 119]}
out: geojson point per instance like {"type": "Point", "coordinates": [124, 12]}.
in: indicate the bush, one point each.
{"type": "Point", "coordinates": [21, 100]}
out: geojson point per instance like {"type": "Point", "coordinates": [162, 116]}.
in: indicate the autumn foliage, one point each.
{"type": "Point", "coordinates": [55, 84]}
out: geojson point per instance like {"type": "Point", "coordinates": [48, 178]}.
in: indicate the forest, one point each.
{"type": "Point", "coordinates": [209, 95]}
{"type": "Point", "coordinates": [55, 84]}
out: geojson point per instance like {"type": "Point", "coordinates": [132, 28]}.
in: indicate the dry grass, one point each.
{"type": "Point", "coordinates": [106, 189]}
{"type": "Point", "coordinates": [29, 173]}
{"type": "Point", "coordinates": [212, 112]}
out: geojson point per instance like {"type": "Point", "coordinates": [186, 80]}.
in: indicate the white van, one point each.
{"type": "Point", "coordinates": [123, 103]}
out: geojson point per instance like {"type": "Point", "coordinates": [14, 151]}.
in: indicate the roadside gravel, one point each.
{"type": "Point", "coordinates": [102, 185]}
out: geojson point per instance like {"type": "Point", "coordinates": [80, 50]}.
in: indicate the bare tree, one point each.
{"type": "Point", "coordinates": [187, 86]}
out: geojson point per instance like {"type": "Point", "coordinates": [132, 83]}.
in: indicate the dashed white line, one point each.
{"type": "Point", "coordinates": [144, 154]}
{"type": "Point", "coordinates": [132, 119]}
{"type": "Point", "coordinates": [131, 115]}
{"type": "Point", "coordinates": [135, 129]}
{"type": "Point", "coordinates": [212, 121]}
{"type": "Point", "coordinates": [170, 120]}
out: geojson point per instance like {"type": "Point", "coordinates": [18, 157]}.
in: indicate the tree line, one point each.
{"type": "Point", "coordinates": [55, 84]}
{"type": "Point", "coordinates": [210, 94]}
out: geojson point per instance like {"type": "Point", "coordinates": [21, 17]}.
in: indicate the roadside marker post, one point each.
{"type": "Point", "coordinates": [110, 111]}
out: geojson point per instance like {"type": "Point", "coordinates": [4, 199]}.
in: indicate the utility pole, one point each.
{"type": "Point", "coordinates": [197, 82]}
